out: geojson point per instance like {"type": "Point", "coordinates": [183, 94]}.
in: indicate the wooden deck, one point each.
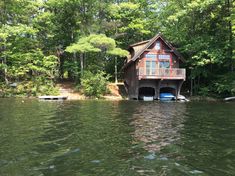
{"type": "Point", "coordinates": [46, 97]}
{"type": "Point", "coordinates": [162, 73]}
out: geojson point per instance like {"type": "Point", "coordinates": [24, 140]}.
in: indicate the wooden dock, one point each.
{"type": "Point", "coordinates": [46, 97]}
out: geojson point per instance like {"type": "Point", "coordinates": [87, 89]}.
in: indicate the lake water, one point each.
{"type": "Point", "coordinates": [119, 138]}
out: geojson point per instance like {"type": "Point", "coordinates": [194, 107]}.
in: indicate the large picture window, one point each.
{"type": "Point", "coordinates": [164, 60]}
{"type": "Point", "coordinates": [151, 67]}
{"type": "Point", "coordinates": [164, 64]}
{"type": "Point", "coordinates": [150, 64]}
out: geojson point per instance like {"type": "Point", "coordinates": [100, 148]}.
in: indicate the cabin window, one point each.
{"type": "Point", "coordinates": [164, 57]}
{"type": "Point", "coordinates": [158, 46]}
{"type": "Point", "coordinates": [151, 67]}
{"type": "Point", "coordinates": [164, 60]}
{"type": "Point", "coordinates": [150, 64]}
{"type": "Point", "coordinates": [151, 56]}
{"type": "Point", "coordinates": [164, 64]}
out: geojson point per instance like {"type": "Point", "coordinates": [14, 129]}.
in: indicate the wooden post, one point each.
{"type": "Point", "coordinates": [179, 88]}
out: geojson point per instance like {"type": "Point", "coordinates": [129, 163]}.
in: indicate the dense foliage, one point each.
{"type": "Point", "coordinates": [44, 41]}
{"type": "Point", "coordinates": [94, 84]}
{"type": "Point", "coordinates": [204, 32]}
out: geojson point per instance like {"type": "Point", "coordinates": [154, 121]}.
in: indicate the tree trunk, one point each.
{"type": "Point", "coordinates": [116, 80]}
{"type": "Point", "coordinates": [198, 83]}
{"type": "Point", "coordinates": [61, 68]}
{"type": "Point", "coordinates": [4, 61]}
{"type": "Point", "coordinates": [230, 7]}
{"type": "Point", "coordinates": [82, 63]}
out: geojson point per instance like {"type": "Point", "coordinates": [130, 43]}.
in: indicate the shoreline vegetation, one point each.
{"type": "Point", "coordinates": [115, 93]}
{"type": "Point", "coordinates": [119, 98]}
{"type": "Point", "coordinates": [69, 90]}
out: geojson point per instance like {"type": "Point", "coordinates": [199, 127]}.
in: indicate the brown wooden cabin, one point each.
{"type": "Point", "coordinates": [153, 67]}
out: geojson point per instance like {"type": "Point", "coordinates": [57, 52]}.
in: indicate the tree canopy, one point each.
{"type": "Point", "coordinates": [47, 40]}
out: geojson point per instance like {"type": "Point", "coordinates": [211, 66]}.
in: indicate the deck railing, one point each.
{"type": "Point", "coordinates": [162, 73]}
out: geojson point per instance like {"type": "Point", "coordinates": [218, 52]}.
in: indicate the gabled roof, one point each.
{"type": "Point", "coordinates": [149, 43]}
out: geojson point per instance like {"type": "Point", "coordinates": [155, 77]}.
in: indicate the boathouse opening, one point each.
{"type": "Point", "coordinates": [168, 90]}
{"type": "Point", "coordinates": [146, 92]}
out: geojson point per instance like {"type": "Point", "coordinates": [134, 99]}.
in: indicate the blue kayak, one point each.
{"type": "Point", "coordinates": [167, 96]}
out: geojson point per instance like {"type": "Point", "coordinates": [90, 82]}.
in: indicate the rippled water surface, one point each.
{"type": "Point", "coordinates": [125, 138]}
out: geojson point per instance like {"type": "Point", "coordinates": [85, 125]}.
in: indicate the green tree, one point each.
{"type": "Point", "coordinates": [94, 84]}
{"type": "Point", "coordinates": [202, 29]}
{"type": "Point", "coordinates": [95, 43]}
{"type": "Point", "coordinates": [40, 40]}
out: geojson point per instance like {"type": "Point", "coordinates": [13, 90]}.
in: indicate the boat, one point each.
{"type": "Point", "coordinates": [148, 98]}
{"type": "Point", "coordinates": [167, 97]}
{"type": "Point", "coordinates": [229, 99]}
{"type": "Point", "coordinates": [182, 98]}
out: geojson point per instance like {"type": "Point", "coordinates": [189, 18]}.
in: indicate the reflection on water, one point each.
{"type": "Point", "coordinates": [157, 124]}
{"type": "Point", "coordinates": [108, 138]}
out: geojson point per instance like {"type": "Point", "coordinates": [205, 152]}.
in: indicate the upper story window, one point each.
{"type": "Point", "coordinates": [151, 56]}
{"type": "Point", "coordinates": [163, 64]}
{"type": "Point", "coordinates": [164, 57]}
{"type": "Point", "coordinates": [158, 46]}
{"type": "Point", "coordinates": [164, 60]}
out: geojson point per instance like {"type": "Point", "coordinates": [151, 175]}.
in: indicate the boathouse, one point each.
{"type": "Point", "coordinates": [153, 67]}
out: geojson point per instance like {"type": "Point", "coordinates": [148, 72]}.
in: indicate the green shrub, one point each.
{"type": "Point", "coordinates": [225, 85]}
{"type": "Point", "coordinates": [29, 88]}
{"type": "Point", "coordinates": [203, 91]}
{"type": "Point", "coordinates": [94, 85]}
